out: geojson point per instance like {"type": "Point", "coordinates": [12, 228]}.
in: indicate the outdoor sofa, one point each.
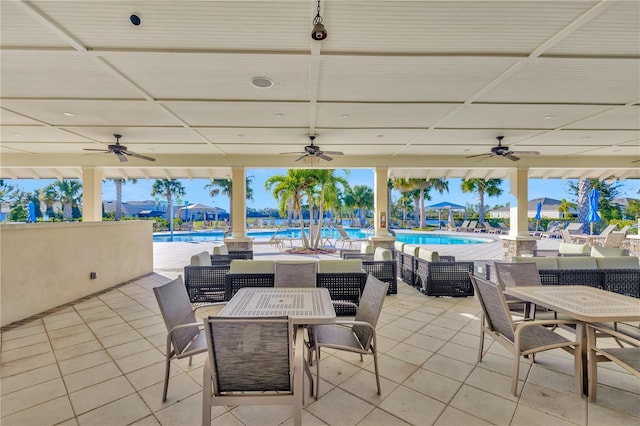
{"type": "Point", "coordinates": [432, 274]}
{"type": "Point", "coordinates": [345, 279]}
{"type": "Point", "coordinates": [379, 263]}
{"type": "Point", "coordinates": [619, 274]}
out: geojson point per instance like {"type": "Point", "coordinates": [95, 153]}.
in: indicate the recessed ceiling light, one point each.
{"type": "Point", "coordinates": [279, 115]}
{"type": "Point", "coordinates": [16, 134]}
{"type": "Point", "coordinates": [69, 114]}
{"type": "Point", "coordinates": [467, 150]}
{"type": "Point", "coordinates": [586, 137]}
{"type": "Point", "coordinates": [548, 117]}
{"type": "Point", "coordinates": [261, 82]}
{"type": "Point", "coordinates": [345, 116]}
{"type": "Point", "coordinates": [240, 135]}
{"type": "Point", "coordinates": [380, 136]}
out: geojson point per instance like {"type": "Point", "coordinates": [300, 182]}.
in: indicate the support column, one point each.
{"type": "Point", "coordinates": [239, 240]}
{"type": "Point", "coordinates": [382, 237]}
{"type": "Point", "coordinates": [91, 194]}
{"type": "Point", "coordinates": [518, 243]}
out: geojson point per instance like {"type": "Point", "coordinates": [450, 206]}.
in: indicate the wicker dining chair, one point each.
{"type": "Point", "coordinates": [522, 337]}
{"type": "Point", "coordinates": [252, 361]}
{"type": "Point", "coordinates": [358, 335]}
{"type": "Point", "coordinates": [184, 335]}
{"type": "Point", "coordinates": [517, 274]}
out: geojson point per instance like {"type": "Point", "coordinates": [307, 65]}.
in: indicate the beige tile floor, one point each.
{"type": "Point", "coordinates": [100, 361]}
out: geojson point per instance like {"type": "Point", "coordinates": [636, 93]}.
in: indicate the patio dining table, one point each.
{"type": "Point", "coordinates": [583, 303]}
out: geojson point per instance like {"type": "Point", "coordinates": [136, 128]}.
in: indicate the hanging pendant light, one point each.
{"type": "Point", "coordinates": [319, 32]}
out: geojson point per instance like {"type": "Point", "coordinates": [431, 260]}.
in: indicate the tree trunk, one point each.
{"type": "Point", "coordinates": [423, 222]}
{"type": "Point", "coordinates": [67, 211]}
{"type": "Point", "coordinates": [118, 199]}
{"type": "Point", "coordinates": [481, 207]}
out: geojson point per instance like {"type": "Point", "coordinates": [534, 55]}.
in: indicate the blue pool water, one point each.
{"type": "Point", "coordinates": [409, 238]}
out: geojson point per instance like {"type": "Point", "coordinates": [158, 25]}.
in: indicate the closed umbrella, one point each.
{"type": "Point", "coordinates": [538, 216]}
{"type": "Point", "coordinates": [593, 215]}
{"type": "Point", "coordinates": [450, 219]}
{"type": "Point", "coordinates": [32, 212]}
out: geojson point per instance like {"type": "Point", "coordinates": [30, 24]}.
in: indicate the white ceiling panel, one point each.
{"type": "Point", "coordinates": [632, 151]}
{"type": "Point", "coordinates": [18, 28]}
{"type": "Point", "coordinates": [197, 25]}
{"type": "Point", "coordinates": [173, 148]}
{"type": "Point", "coordinates": [584, 137]}
{"type": "Point", "coordinates": [216, 76]}
{"type": "Point", "coordinates": [27, 134]}
{"type": "Point", "coordinates": [138, 135]}
{"type": "Point", "coordinates": [613, 118]}
{"type": "Point", "coordinates": [472, 137]}
{"type": "Point", "coordinates": [92, 112]}
{"type": "Point", "coordinates": [59, 75]}
{"type": "Point", "coordinates": [255, 136]}
{"type": "Point", "coordinates": [49, 147]}
{"type": "Point", "coordinates": [377, 115]}
{"type": "Point", "coordinates": [615, 32]}
{"type": "Point", "coordinates": [8, 118]}
{"type": "Point", "coordinates": [245, 114]}
{"type": "Point", "coordinates": [408, 78]}
{"type": "Point", "coordinates": [380, 136]}
{"type": "Point", "coordinates": [483, 116]}
{"type": "Point", "coordinates": [571, 81]}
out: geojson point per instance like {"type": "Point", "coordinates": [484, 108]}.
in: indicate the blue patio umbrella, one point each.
{"type": "Point", "coordinates": [538, 215]}
{"type": "Point", "coordinates": [32, 212]}
{"type": "Point", "coordinates": [593, 215]}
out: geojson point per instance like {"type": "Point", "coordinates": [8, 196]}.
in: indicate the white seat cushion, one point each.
{"type": "Point", "coordinates": [220, 248]}
{"type": "Point", "coordinates": [239, 266]}
{"type": "Point", "coordinates": [201, 259]}
{"type": "Point", "coordinates": [328, 266]}
{"type": "Point", "coordinates": [428, 255]}
{"type": "Point", "coordinates": [382, 254]}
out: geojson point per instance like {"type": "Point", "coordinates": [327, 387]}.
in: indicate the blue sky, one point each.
{"type": "Point", "coordinates": [553, 188]}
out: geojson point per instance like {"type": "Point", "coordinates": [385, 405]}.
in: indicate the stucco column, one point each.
{"type": "Point", "coordinates": [380, 203]}
{"type": "Point", "coordinates": [519, 188]}
{"type": "Point", "coordinates": [91, 194]}
{"type": "Point", "coordinates": [238, 202]}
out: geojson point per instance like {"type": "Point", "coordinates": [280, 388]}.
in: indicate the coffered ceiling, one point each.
{"type": "Point", "coordinates": [413, 86]}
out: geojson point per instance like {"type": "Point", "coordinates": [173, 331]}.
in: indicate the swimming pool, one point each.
{"type": "Point", "coordinates": [409, 238]}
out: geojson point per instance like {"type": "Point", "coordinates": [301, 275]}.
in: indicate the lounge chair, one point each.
{"type": "Point", "coordinates": [522, 338]}
{"type": "Point", "coordinates": [277, 241]}
{"type": "Point", "coordinates": [472, 226]}
{"type": "Point", "coordinates": [601, 236]}
{"type": "Point", "coordinates": [346, 239]}
{"type": "Point", "coordinates": [505, 229]}
{"type": "Point", "coordinates": [574, 227]}
{"type": "Point", "coordinates": [614, 239]}
{"type": "Point", "coordinates": [463, 226]}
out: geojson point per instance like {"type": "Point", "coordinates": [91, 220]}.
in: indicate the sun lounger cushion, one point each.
{"type": "Point", "coordinates": [366, 248]}
{"type": "Point", "coordinates": [329, 266]}
{"type": "Point", "coordinates": [220, 248]}
{"type": "Point", "coordinates": [597, 251]}
{"type": "Point", "coordinates": [252, 267]}
{"type": "Point", "coordinates": [578, 262]}
{"type": "Point", "coordinates": [201, 259]}
{"type": "Point", "coordinates": [618, 262]}
{"type": "Point", "coordinates": [428, 255]}
{"type": "Point", "coordinates": [570, 248]}
{"type": "Point", "coordinates": [398, 246]}
{"type": "Point", "coordinates": [543, 263]}
{"type": "Point", "coordinates": [382, 254]}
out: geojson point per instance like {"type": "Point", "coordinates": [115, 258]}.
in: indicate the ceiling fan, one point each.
{"type": "Point", "coordinates": [503, 151]}
{"type": "Point", "coordinates": [121, 151]}
{"type": "Point", "coordinates": [312, 150]}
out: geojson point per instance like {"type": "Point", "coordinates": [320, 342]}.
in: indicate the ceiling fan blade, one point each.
{"type": "Point", "coordinates": [121, 157]}
{"type": "Point", "coordinates": [301, 157]}
{"type": "Point", "coordinates": [510, 156]}
{"type": "Point", "coordinates": [324, 157]}
{"type": "Point", "coordinates": [481, 155]}
{"type": "Point", "coordinates": [333, 152]}
{"type": "Point", "coordinates": [95, 149]}
{"type": "Point", "coordinates": [143, 157]}
{"type": "Point", "coordinates": [289, 153]}
{"type": "Point", "coordinates": [524, 152]}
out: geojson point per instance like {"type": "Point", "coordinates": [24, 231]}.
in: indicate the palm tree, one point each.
{"type": "Point", "coordinates": [423, 187]}
{"type": "Point", "coordinates": [327, 184]}
{"type": "Point", "coordinates": [225, 187]}
{"type": "Point", "coordinates": [69, 193]}
{"type": "Point", "coordinates": [168, 188]}
{"type": "Point", "coordinates": [119, 182]}
{"type": "Point", "coordinates": [289, 190]}
{"type": "Point", "coordinates": [565, 207]}
{"type": "Point", "coordinates": [359, 197]}
{"type": "Point", "coordinates": [491, 187]}
{"type": "Point", "coordinates": [8, 192]}
{"type": "Point", "coordinates": [48, 196]}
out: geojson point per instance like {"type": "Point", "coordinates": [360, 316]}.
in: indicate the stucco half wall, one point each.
{"type": "Point", "coordinates": [44, 265]}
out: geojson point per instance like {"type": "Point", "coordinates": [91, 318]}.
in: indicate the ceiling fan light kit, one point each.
{"type": "Point", "coordinates": [312, 153]}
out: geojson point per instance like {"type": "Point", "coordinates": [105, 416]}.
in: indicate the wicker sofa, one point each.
{"type": "Point", "coordinates": [620, 274]}
{"type": "Point", "coordinates": [380, 264]}
{"type": "Point", "coordinates": [345, 279]}
{"type": "Point", "coordinates": [432, 274]}
{"type": "Point", "coordinates": [221, 254]}
{"type": "Point", "coordinates": [205, 280]}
